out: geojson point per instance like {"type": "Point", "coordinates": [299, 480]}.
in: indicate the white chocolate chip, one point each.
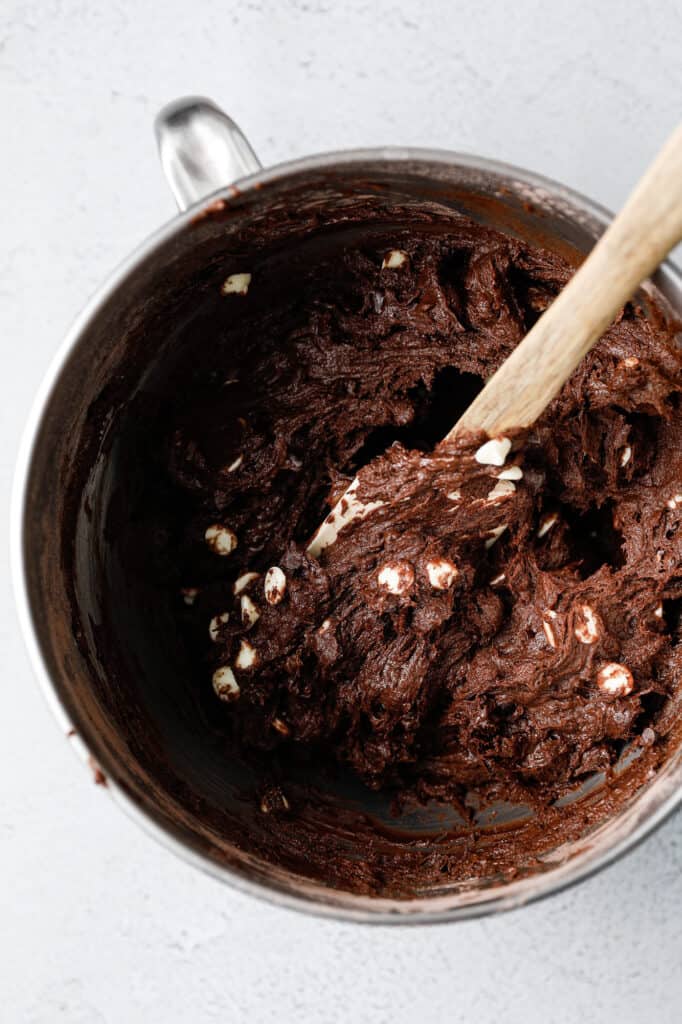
{"type": "Point", "coordinates": [513, 473]}
{"type": "Point", "coordinates": [674, 502]}
{"type": "Point", "coordinates": [214, 625]}
{"type": "Point", "coordinates": [494, 452]}
{"type": "Point", "coordinates": [495, 535]}
{"type": "Point", "coordinates": [281, 727]}
{"type": "Point", "coordinates": [244, 580]}
{"type": "Point", "coordinates": [625, 455]}
{"type": "Point", "coordinates": [221, 539]}
{"type": "Point", "coordinates": [442, 573]}
{"type": "Point", "coordinates": [325, 626]}
{"type": "Point", "coordinates": [546, 525]}
{"type": "Point", "coordinates": [455, 496]}
{"type": "Point", "coordinates": [615, 679]}
{"type": "Point", "coordinates": [250, 614]}
{"type": "Point", "coordinates": [658, 611]}
{"type": "Point", "coordinates": [236, 464]}
{"type": "Point", "coordinates": [498, 579]}
{"type": "Point", "coordinates": [549, 633]}
{"type": "Point", "coordinates": [502, 489]}
{"type": "Point", "coordinates": [236, 284]}
{"type": "Point", "coordinates": [246, 657]}
{"type": "Point", "coordinates": [394, 259]}
{"type": "Point", "coordinates": [225, 685]}
{"type": "Point", "coordinates": [630, 362]}
{"type": "Point", "coordinates": [275, 585]}
{"type": "Point", "coordinates": [587, 628]}
{"type": "Point", "coordinates": [396, 577]}
{"type": "Point", "coordinates": [189, 595]}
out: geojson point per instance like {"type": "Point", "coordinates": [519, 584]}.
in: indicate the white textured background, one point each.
{"type": "Point", "coordinates": [97, 923]}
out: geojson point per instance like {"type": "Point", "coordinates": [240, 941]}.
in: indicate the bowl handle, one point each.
{"type": "Point", "coordinates": [201, 149]}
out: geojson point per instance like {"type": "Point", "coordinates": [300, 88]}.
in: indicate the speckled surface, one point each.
{"type": "Point", "coordinates": [99, 924]}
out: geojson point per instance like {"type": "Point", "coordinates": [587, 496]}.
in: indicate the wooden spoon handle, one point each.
{"type": "Point", "coordinates": [642, 234]}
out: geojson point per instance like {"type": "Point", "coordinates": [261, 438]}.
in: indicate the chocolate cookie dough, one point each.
{"type": "Point", "coordinates": [504, 622]}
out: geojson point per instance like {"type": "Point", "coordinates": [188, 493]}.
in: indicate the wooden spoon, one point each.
{"type": "Point", "coordinates": [643, 233]}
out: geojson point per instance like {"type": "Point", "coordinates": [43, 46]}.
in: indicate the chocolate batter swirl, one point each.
{"type": "Point", "coordinates": [504, 629]}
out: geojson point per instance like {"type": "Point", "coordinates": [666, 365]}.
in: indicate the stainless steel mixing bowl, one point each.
{"type": "Point", "coordinates": [128, 722]}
